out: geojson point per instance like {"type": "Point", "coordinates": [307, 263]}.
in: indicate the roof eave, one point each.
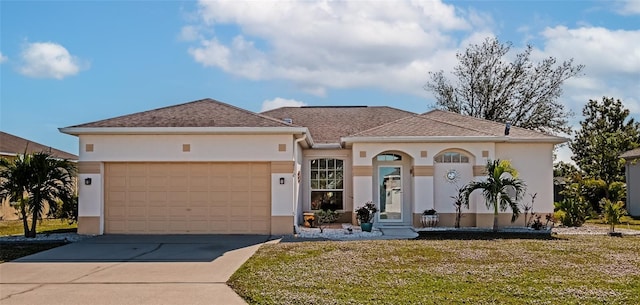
{"type": "Point", "coordinates": [181, 130]}
{"type": "Point", "coordinates": [327, 146]}
{"type": "Point", "coordinates": [440, 139]}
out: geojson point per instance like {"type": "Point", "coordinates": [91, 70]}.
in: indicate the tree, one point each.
{"type": "Point", "coordinates": [501, 189]}
{"type": "Point", "coordinates": [521, 91]}
{"type": "Point", "coordinates": [565, 170]}
{"type": "Point", "coordinates": [15, 178]}
{"type": "Point", "coordinates": [42, 181]}
{"type": "Point", "coordinates": [606, 132]}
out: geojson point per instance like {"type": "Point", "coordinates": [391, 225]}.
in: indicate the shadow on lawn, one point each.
{"type": "Point", "coordinates": [471, 235]}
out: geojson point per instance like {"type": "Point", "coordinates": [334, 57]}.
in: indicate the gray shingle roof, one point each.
{"type": "Point", "coordinates": [329, 124]}
{"type": "Point", "coordinates": [632, 154]}
{"type": "Point", "coordinates": [200, 113]}
{"type": "Point", "coordinates": [13, 145]}
{"type": "Point", "coordinates": [437, 123]}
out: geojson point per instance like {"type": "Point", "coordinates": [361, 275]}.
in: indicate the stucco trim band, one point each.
{"type": "Point", "coordinates": [423, 170]}
{"type": "Point", "coordinates": [282, 167]}
{"type": "Point", "coordinates": [281, 225]}
{"type": "Point", "coordinates": [362, 170]}
{"type": "Point", "coordinates": [479, 170]}
{"type": "Point", "coordinates": [89, 225]}
{"type": "Point", "coordinates": [85, 167]}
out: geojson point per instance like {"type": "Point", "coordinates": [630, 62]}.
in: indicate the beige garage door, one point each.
{"type": "Point", "coordinates": [155, 198]}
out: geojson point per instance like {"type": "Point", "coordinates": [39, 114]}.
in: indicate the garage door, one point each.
{"type": "Point", "coordinates": [156, 198]}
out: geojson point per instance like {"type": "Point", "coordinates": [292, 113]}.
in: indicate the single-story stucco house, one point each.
{"type": "Point", "coordinates": [632, 169]}
{"type": "Point", "coordinates": [210, 167]}
{"type": "Point", "coordinates": [10, 147]}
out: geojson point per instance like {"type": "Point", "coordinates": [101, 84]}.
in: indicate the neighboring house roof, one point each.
{"type": "Point", "coordinates": [444, 124]}
{"type": "Point", "coordinates": [328, 124]}
{"type": "Point", "coordinates": [11, 145]}
{"type": "Point", "coordinates": [632, 154]}
{"type": "Point", "coordinates": [200, 113]}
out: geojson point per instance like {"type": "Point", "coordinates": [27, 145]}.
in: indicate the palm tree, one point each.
{"type": "Point", "coordinates": [501, 180]}
{"type": "Point", "coordinates": [15, 177]}
{"type": "Point", "coordinates": [37, 180]}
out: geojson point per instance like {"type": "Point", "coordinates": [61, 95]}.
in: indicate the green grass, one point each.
{"type": "Point", "coordinates": [625, 223]}
{"type": "Point", "coordinates": [9, 252]}
{"type": "Point", "coordinates": [566, 270]}
{"type": "Point", "coordinates": [46, 226]}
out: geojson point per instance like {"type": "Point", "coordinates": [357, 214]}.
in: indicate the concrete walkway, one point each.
{"type": "Point", "coordinates": [175, 269]}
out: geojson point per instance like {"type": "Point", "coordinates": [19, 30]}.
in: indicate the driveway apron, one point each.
{"type": "Point", "coordinates": [130, 269]}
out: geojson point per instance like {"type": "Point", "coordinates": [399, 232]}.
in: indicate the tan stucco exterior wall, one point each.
{"type": "Point", "coordinates": [534, 163]}
{"type": "Point", "coordinates": [278, 149]}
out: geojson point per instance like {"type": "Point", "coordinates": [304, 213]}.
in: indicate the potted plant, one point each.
{"type": "Point", "coordinates": [430, 218]}
{"type": "Point", "coordinates": [365, 214]}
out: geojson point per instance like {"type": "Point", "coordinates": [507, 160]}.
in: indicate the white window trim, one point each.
{"type": "Point", "coordinates": [311, 190]}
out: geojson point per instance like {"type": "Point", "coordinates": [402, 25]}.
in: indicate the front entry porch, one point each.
{"type": "Point", "coordinates": [392, 189]}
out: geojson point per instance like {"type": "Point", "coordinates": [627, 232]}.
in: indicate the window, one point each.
{"type": "Point", "coordinates": [451, 157]}
{"type": "Point", "coordinates": [327, 186]}
{"type": "Point", "coordinates": [389, 157]}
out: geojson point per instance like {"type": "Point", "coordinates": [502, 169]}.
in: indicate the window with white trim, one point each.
{"type": "Point", "coordinates": [327, 184]}
{"type": "Point", "coordinates": [451, 157]}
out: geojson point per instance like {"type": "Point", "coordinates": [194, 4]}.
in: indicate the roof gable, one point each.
{"type": "Point", "coordinates": [440, 123]}
{"type": "Point", "coordinates": [329, 124]}
{"type": "Point", "coordinates": [200, 113]}
{"type": "Point", "coordinates": [14, 145]}
{"type": "Point", "coordinates": [631, 154]}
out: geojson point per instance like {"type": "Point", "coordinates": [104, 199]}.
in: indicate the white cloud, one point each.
{"type": "Point", "coordinates": [392, 45]}
{"type": "Point", "coordinates": [280, 102]}
{"type": "Point", "coordinates": [189, 33]}
{"type": "Point", "coordinates": [3, 58]}
{"type": "Point", "coordinates": [48, 60]}
{"type": "Point", "coordinates": [611, 59]}
{"type": "Point", "coordinates": [334, 44]}
{"type": "Point", "coordinates": [628, 7]}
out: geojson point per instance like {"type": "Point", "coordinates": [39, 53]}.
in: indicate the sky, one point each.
{"type": "Point", "coordinates": [64, 63]}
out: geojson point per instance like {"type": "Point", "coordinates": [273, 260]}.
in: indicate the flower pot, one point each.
{"type": "Point", "coordinates": [430, 220]}
{"type": "Point", "coordinates": [309, 219]}
{"type": "Point", "coordinates": [366, 226]}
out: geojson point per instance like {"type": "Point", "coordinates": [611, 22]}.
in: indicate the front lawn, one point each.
{"type": "Point", "coordinates": [565, 270]}
{"type": "Point", "coordinates": [625, 223]}
{"type": "Point", "coordinates": [45, 226]}
{"type": "Point", "coordinates": [9, 252]}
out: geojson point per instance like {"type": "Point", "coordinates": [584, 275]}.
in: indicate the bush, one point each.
{"type": "Point", "coordinates": [612, 212]}
{"type": "Point", "coordinates": [68, 210]}
{"type": "Point", "coordinates": [571, 212]}
{"type": "Point", "coordinates": [593, 190]}
{"type": "Point", "coordinates": [325, 217]}
{"type": "Point", "coordinates": [618, 191]}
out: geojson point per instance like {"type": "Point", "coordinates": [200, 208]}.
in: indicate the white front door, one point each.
{"type": "Point", "coordinates": [390, 194]}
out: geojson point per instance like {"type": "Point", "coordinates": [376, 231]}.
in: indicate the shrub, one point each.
{"type": "Point", "coordinates": [593, 190]}
{"type": "Point", "coordinates": [325, 217]}
{"type": "Point", "coordinates": [68, 210]}
{"type": "Point", "coordinates": [612, 212]}
{"type": "Point", "coordinates": [365, 213]}
{"type": "Point", "coordinates": [618, 191]}
{"type": "Point", "coordinates": [574, 211]}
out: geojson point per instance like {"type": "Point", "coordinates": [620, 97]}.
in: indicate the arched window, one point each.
{"type": "Point", "coordinates": [451, 157]}
{"type": "Point", "coordinates": [389, 157]}
{"type": "Point", "coordinates": [327, 184]}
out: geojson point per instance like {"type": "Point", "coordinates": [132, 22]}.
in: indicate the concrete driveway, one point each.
{"type": "Point", "coordinates": [130, 269]}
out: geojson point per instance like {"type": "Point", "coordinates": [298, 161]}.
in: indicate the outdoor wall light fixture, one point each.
{"type": "Point", "coordinates": [87, 181]}
{"type": "Point", "coordinates": [281, 180]}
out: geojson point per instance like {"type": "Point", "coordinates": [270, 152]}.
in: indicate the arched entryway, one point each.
{"type": "Point", "coordinates": [392, 187]}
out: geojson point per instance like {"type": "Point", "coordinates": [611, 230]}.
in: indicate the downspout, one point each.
{"type": "Point", "coordinates": [296, 184]}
